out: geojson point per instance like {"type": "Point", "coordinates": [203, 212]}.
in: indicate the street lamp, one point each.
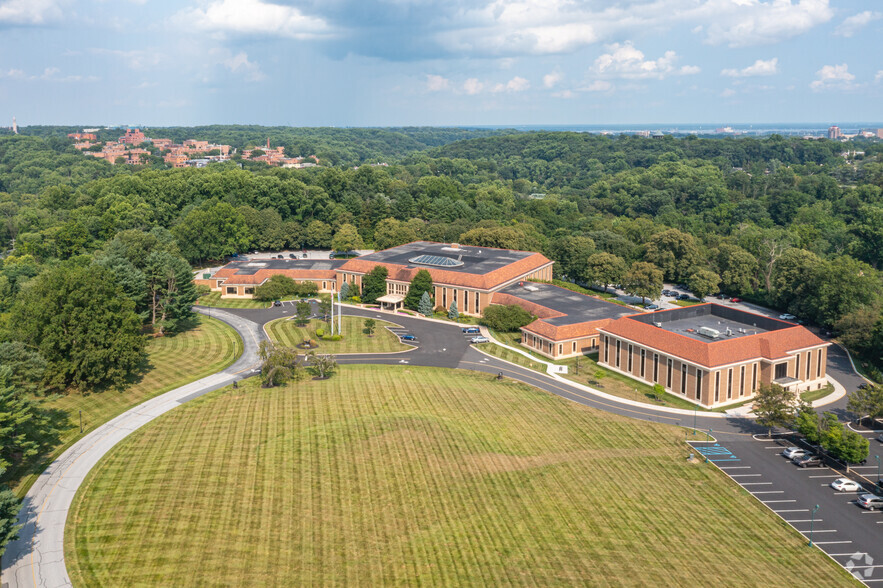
{"type": "Point", "coordinates": [812, 521]}
{"type": "Point", "coordinates": [707, 438]}
{"type": "Point", "coordinates": [877, 457]}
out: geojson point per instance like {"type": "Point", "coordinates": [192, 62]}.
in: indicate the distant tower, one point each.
{"type": "Point", "coordinates": [268, 143]}
{"type": "Point", "coordinates": [14, 126]}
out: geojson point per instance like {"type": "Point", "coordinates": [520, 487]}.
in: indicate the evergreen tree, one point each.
{"type": "Point", "coordinates": [344, 290]}
{"type": "Point", "coordinates": [421, 284]}
{"type": "Point", "coordinates": [425, 306]}
{"type": "Point", "coordinates": [9, 507]}
{"type": "Point", "coordinates": [453, 314]}
{"type": "Point", "coordinates": [23, 426]}
{"type": "Point", "coordinates": [172, 292]}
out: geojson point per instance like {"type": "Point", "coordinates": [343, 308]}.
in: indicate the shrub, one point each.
{"type": "Point", "coordinates": [336, 337]}
{"type": "Point", "coordinates": [507, 318]}
{"type": "Point", "coordinates": [356, 299]}
{"type": "Point", "coordinates": [320, 332]}
{"type": "Point", "coordinates": [276, 288]}
{"type": "Point", "coordinates": [202, 290]}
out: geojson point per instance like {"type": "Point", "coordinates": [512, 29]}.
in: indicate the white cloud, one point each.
{"type": "Point", "coordinates": [436, 83]}
{"type": "Point", "coordinates": [740, 23]}
{"type": "Point", "coordinates": [550, 80]}
{"type": "Point", "coordinates": [12, 73]}
{"type": "Point", "coordinates": [134, 58]}
{"type": "Point", "coordinates": [879, 76]}
{"type": "Point", "coordinates": [598, 86]}
{"type": "Point", "coordinates": [472, 86]}
{"type": "Point", "coordinates": [566, 94]}
{"type": "Point", "coordinates": [516, 84]}
{"type": "Point", "coordinates": [759, 68]}
{"type": "Point", "coordinates": [30, 12]}
{"type": "Point", "coordinates": [253, 17]}
{"type": "Point", "coordinates": [238, 64]}
{"type": "Point", "coordinates": [851, 25]}
{"type": "Point", "coordinates": [833, 76]}
{"type": "Point", "coordinates": [727, 93]}
{"type": "Point", "coordinates": [625, 61]}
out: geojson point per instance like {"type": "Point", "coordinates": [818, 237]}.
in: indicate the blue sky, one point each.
{"type": "Point", "coordinates": [439, 62]}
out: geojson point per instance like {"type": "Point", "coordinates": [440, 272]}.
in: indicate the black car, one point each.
{"type": "Point", "coordinates": [684, 297]}
{"type": "Point", "coordinates": [277, 303]}
{"type": "Point", "coordinates": [292, 256]}
{"type": "Point", "coordinates": [280, 256]}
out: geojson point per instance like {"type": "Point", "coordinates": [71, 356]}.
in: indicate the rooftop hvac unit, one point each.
{"type": "Point", "coordinates": [531, 288]}
{"type": "Point", "coordinates": [658, 325]}
{"type": "Point", "coordinates": [709, 332]}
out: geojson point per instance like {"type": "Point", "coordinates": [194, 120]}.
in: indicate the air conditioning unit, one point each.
{"type": "Point", "coordinates": [658, 325]}
{"type": "Point", "coordinates": [709, 332]}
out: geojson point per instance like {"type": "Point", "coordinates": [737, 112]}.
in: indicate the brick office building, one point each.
{"type": "Point", "coordinates": [713, 355]}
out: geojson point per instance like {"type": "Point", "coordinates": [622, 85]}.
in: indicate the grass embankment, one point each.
{"type": "Point", "coordinates": [354, 340]}
{"type": "Point", "coordinates": [587, 372]}
{"type": "Point", "coordinates": [214, 300]}
{"type": "Point", "coordinates": [396, 475]}
{"type": "Point", "coordinates": [171, 362]}
{"type": "Point", "coordinates": [813, 395]}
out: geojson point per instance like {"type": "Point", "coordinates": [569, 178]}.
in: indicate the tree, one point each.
{"type": "Point", "coordinates": [279, 364]}
{"type": "Point", "coordinates": [507, 318]}
{"type": "Point", "coordinates": [774, 406]}
{"type": "Point", "coordinates": [674, 251]}
{"type": "Point", "coordinates": [212, 231]}
{"type": "Point", "coordinates": [390, 232]}
{"type": "Point", "coordinates": [737, 268]}
{"type": "Point", "coordinates": [276, 287]}
{"type": "Point", "coordinates": [853, 448]}
{"type": "Point", "coordinates": [703, 282]}
{"type": "Point", "coordinates": [347, 238]}
{"type": "Point", "coordinates": [24, 427]}
{"type": "Point", "coordinates": [303, 311]}
{"type": "Point", "coordinates": [344, 290]}
{"type": "Point", "coordinates": [866, 402]}
{"type": "Point", "coordinates": [421, 284]}
{"type": "Point", "coordinates": [171, 290]}
{"type": "Point", "coordinates": [572, 254]}
{"type": "Point", "coordinates": [370, 324]}
{"type": "Point", "coordinates": [643, 279]}
{"type": "Point", "coordinates": [807, 423]}
{"type": "Point", "coordinates": [317, 234]}
{"type": "Point", "coordinates": [453, 314]}
{"type": "Point", "coordinates": [425, 306]}
{"type": "Point", "coordinates": [77, 317]}
{"type": "Point", "coordinates": [325, 308]}
{"type": "Point", "coordinates": [26, 367]}
{"type": "Point", "coordinates": [374, 284]}
{"type": "Point", "coordinates": [323, 363]}
{"type": "Point", "coordinates": [605, 269]}
{"type": "Point", "coordinates": [9, 508]}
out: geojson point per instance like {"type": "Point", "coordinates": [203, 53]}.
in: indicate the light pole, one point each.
{"type": "Point", "coordinates": [695, 408]}
{"type": "Point", "coordinates": [707, 438]}
{"type": "Point", "coordinates": [877, 457]}
{"type": "Point", "coordinates": [812, 522]}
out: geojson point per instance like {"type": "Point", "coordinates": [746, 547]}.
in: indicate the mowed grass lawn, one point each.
{"type": "Point", "coordinates": [171, 362]}
{"type": "Point", "coordinates": [214, 300]}
{"type": "Point", "coordinates": [397, 475]}
{"type": "Point", "coordinates": [287, 332]}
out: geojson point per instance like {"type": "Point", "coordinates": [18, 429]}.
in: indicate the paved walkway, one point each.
{"type": "Point", "coordinates": [37, 557]}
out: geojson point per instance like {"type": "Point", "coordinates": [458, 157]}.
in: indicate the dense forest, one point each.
{"type": "Point", "coordinates": [94, 256]}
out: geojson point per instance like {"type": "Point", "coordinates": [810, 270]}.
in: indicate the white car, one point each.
{"type": "Point", "coordinates": [845, 485]}
{"type": "Point", "coordinates": [480, 339]}
{"type": "Point", "coordinates": [792, 452]}
{"type": "Point", "coordinates": [787, 317]}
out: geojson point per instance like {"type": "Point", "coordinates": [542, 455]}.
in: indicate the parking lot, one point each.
{"type": "Point", "coordinates": [849, 534]}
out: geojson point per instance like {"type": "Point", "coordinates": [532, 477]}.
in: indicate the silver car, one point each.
{"type": "Point", "coordinates": [792, 452]}
{"type": "Point", "coordinates": [870, 501]}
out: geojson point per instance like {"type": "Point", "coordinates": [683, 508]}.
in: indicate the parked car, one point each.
{"type": "Point", "coordinates": [277, 303]}
{"type": "Point", "coordinates": [792, 452]}
{"type": "Point", "coordinates": [808, 460]}
{"type": "Point", "coordinates": [722, 296]}
{"type": "Point", "coordinates": [280, 256]}
{"type": "Point", "coordinates": [734, 299]}
{"type": "Point", "coordinates": [870, 501]}
{"type": "Point", "coordinates": [408, 337]}
{"type": "Point", "coordinates": [863, 385]}
{"type": "Point", "coordinates": [787, 317]}
{"type": "Point", "coordinates": [845, 485]}
{"type": "Point", "coordinates": [652, 307]}
{"type": "Point", "coordinates": [480, 339]}
{"type": "Point", "coordinates": [880, 438]}
{"type": "Point", "coordinates": [684, 297]}
{"type": "Point", "coordinates": [471, 330]}
{"type": "Point", "coordinates": [667, 293]}
{"type": "Point", "coordinates": [292, 256]}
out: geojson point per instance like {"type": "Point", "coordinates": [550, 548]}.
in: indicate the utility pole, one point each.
{"type": "Point", "coordinates": [812, 521]}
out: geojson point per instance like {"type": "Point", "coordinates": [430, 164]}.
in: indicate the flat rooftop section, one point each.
{"type": "Point", "coordinates": [475, 260]}
{"type": "Point", "coordinates": [730, 323]}
{"type": "Point", "coordinates": [252, 267]}
{"type": "Point", "coordinates": [577, 308]}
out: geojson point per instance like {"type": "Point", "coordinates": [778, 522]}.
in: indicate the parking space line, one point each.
{"type": "Point", "coordinates": [756, 483]}
{"type": "Point", "coordinates": [792, 510]}
{"type": "Point", "coordinates": [803, 520]}
{"type": "Point", "coordinates": [819, 531]}
{"type": "Point", "coordinates": [744, 475]}
{"type": "Point", "coordinates": [735, 467]}
{"type": "Point", "coordinates": [769, 492]}
{"type": "Point", "coordinates": [831, 542]}
{"type": "Point", "coordinates": [774, 501]}
{"type": "Point", "coordinates": [826, 476]}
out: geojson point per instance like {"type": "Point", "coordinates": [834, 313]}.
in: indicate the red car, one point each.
{"type": "Point", "coordinates": [735, 300]}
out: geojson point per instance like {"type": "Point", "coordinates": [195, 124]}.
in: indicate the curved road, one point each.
{"type": "Point", "coordinates": [37, 557]}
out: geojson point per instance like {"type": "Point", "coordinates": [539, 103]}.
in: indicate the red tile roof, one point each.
{"type": "Point", "coordinates": [565, 332]}
{"type": "Point", "coordinates": [441, 277]}
{"type": "Point", "coordinates": [232, 279]}
{"type": "Point", "coordinates": [770, 345]}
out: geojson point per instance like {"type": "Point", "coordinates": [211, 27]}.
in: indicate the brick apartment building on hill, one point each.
{"type": "Point", "coordinates": [713, 355]}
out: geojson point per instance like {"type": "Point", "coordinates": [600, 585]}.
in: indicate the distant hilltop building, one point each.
{"type": "Point", "coordinates": [132, 137]}
{"type": "Point", "coordinates": [14, 126]}
{"type": "Point", "coordinates": [834, 132]}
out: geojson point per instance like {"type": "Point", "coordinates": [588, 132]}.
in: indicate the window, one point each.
{"type": "Point", "coordinates": [684, 379]}
{"type": "Point", "coordinates": [324, 286]}
{"type": "Point", "coordinates": [573, 347]}
{"type": "Point", "coordinates": [655, 367]}
{"type": "Point", "coordinates": [560, 349]}
{"type": "Point", "coordinates": [607, 350]}
{"type": "Point", "coordinates": [698, 384]}
{"type": "Point", "coordinates": [617, 352]}
{"type": "Point", "coordinates": [742, 381]}
{"type": "Point", "coordinates": [781, 370]}
{"type": "Point", "coordinates": [477, 303]}
{"type": "Point", "coordinates": [455, 295]}
{"type": "Point", "coordinates": [753, 378]}
{"type": "Point", "coordinates": [819, 363]}
{"type": "Point", "coordinates": [668, 374]}
{"type": "Point", "coordinates": [249, 290]}
{"type": "Point", "coordinates": [630, 358]}
{"type": "Point", "coordinates": [717, 386]}
{"type": "Point", "coordinates": [808, 363]}
{"type": "Point", "coordinates": [729, 383]}
{"type": "Point", "coordinates": [643, 357]}
{"type": "Point", "coordinates": [231, 290]}
{"type": "Point", "coordinates": [797, 367]}
{"type": "Point", "coordinates": [445, 297]}
{"type": "Point", "coordinates": [465, 301]}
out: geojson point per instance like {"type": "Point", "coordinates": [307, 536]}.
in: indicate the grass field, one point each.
{"type": "Point", "coordinates": [354, 339]}
{"type": "Point", "coordinates": [396, 475]}
{"type": "Point", "coordinates": [214, 300]}
{"type": "Point", "coordinates": [172, 362]}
